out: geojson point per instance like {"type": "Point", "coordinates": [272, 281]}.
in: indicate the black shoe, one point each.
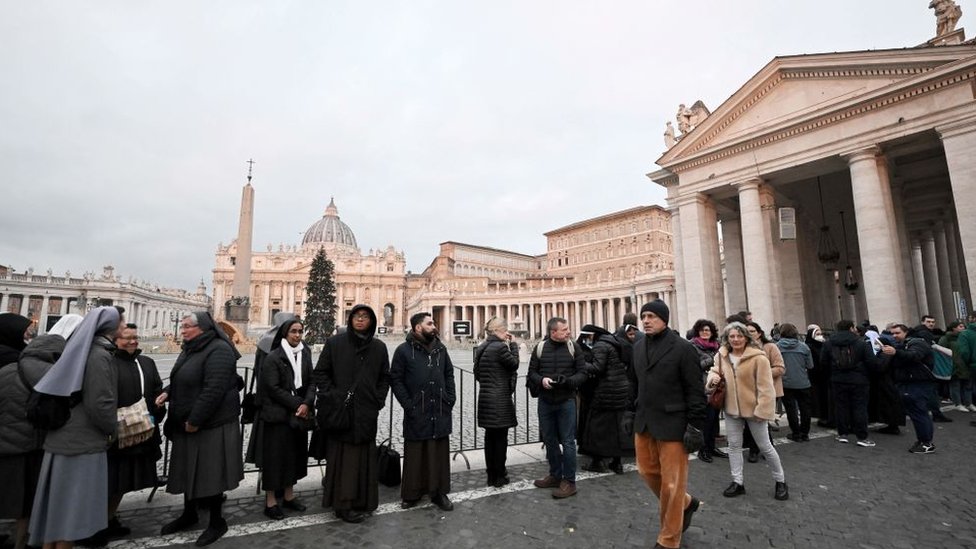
{"type": "Point", "coordinates": [501, 481]}
{"type": "Point", "coordinates": [890, 430]}
{"type": "Point", "coordinates": [491, 480]}
{"type": "Point", "coordinates": [441, 501]}
{"type": "Point", "coordinates": [351, 516]}
{"type": "Point", "coordinates": [689, 511]}
{"type": "Point", "coordinates": [805, 437]}
{"type": "Point", "coordinates": [616, 466]}
{"type": "Point", "coordinates": [704, 455]}
{"type": "Point", "coordinates": [941, 418]}
{"type": "Point", "coordinates": [716, 453]}
{"type": "Point", "coordinates": [216, 530]}
{"type": "Point", "coordinates": [274, 512]}
{"type": "Point", "coordinates": [782, 492]}
{"type": "Point", "coordinates": [115, 529]}
{"type": "Point", "coordinates": [734, 489]}
{"type": "Point", "coordinates": [98, 539]}
{"type": "Point", "coordinates": [405, 504]}
{"type": "Point", "coordinates": [596, 466]}
{"type": "Point", "coordinates": [294, 504]}
{"type": "Point", "coordinates": [182, 522]}
{"type": "Point", "coordinates": [753, 456]}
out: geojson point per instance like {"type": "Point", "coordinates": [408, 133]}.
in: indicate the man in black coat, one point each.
{"type": "Point", "coordinates": [556, 371]}
{"type": "Point", "coordinates": [669, 418]}
{"type": "Point", "coordinates": [849, 359]}
{"type": "Point", "coordinates": [422, 379]}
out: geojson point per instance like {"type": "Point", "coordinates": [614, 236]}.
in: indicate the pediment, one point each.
{"type": "Point", "coordinates": [791, 90]}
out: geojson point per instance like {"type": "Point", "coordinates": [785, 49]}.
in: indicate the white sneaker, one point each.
{"type": "Point", "coordinates": [961, 408]}
{"type": "Point", "coordinates": [842, 439]}
{"type": "Point", "coordinates": [866, 443]}
{"type": "Point", "coordinates": [972, 407]}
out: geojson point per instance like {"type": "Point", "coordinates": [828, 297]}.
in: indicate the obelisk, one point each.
{"type": "Point", "coordinates": [239, 306]}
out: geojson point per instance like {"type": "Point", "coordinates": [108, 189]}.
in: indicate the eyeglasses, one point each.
{"type": "Point", "coordinates": [361, 316]}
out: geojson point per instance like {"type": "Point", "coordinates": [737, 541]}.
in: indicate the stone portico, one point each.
{"type": "Point", "coordinates": [887, 138]}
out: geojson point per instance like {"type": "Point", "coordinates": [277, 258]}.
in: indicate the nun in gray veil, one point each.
{"type": "Point", "coordinates": [71, 502]}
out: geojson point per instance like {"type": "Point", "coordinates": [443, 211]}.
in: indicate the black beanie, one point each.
{"type": "Point", "coordinates": [659, 308]}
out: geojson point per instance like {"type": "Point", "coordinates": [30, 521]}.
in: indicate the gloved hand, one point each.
{"type": "Point", "coordinates": [693, 439]}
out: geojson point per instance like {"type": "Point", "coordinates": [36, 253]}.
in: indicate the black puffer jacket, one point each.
{"type": "Point", "coordinates": [17, 435]}
{"type": "Point", "coordinates": [422, 379]}
{"type": "Point", "coordinates": [612, 390]}
{"type": "Point", "coordinates": [557, 360]}
{"type": "Point", "coordinates": [346, 356]}
{"type": "Point", "coordinates": [496, 366]}
{"type": "Point", "coordinates": [203, 385]}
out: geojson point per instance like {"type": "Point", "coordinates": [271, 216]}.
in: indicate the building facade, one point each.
{"type": "Point", "coordinates": [278, 276]}
{"type": "Point", "coordinates": [839, 185]}
{"type": "Point", "coordinates": [46, 298]}
{"type": "Point", "coordinates": [593, 272]}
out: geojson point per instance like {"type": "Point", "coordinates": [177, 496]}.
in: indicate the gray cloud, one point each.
{"type": "Point", "coordinates": [124, 128]}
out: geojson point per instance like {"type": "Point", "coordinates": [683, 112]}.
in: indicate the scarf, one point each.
{"type": "Point", "coordinates": [705, 344]}
{"type": "Point", "coordinates": [294, 355]}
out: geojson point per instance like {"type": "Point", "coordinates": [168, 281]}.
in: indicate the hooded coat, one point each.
{"type": "Point", "coordinates": [496, 366]}
{"type": "Point", "coordinates": [346, 356]}
{"type": "Point", "coordinates": [798, 360]}
{"type": "Point", "coordinates": [422, 379]}
{"type": "Point", "coordinates": [17, 435]}
{"type": "Point", "coordinates": [603, 433]}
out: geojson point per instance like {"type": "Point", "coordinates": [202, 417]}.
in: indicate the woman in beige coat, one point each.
{"type": "Point", "coordinates": [750, 401]}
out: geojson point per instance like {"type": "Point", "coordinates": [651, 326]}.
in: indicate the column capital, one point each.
{"type": "Point", "coordinates": [749, 184]}
{"type": "Point", "coordinates": [862, 154]}
{"type": "Point", "coordinates": [687, 199]}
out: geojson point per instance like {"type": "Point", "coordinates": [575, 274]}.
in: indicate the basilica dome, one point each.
{"type": "Point", "coordinates": [330, 230]}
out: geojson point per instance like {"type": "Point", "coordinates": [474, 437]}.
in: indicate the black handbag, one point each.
{"type": "Point", "coordinates": [249, 406]}
{"type": "Point", "coordinates": [388, 464]}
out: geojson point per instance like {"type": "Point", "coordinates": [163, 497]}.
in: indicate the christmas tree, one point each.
{"type": "Point", "coordinates": [320, 303]}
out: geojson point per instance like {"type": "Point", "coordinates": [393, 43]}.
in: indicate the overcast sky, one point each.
{"type": "Point", "coordinates": [125, 126]}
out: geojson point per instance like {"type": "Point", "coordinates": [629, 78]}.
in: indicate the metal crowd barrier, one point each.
{"type": "Point", "coordinates": [466, 436]}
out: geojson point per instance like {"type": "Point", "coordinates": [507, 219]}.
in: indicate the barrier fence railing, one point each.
{"type": "Point", "coordinates": [466, 436]}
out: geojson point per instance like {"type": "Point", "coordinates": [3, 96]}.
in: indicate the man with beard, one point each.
{"type": "Point", "coordinates": [422, 379]}
{"type": "Point", "coordinates": [353, 361]}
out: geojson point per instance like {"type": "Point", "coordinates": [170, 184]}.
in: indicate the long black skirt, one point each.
{"type": "Point", "coordinates": [351, 480]}
{"type": "Point", "coordinates": [19, 473]}
{"type": "Point", "coordinates": [284, 455]}
{"type": "Point", "coordinates": [130, 471]}
{"type": "Point", "coordinates": [605, 435]}
{"type": "Point", "coordinates": [426, 468]}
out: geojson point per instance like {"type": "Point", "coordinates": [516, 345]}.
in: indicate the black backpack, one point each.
{"type": "Point", "coordinates": [843, 357]}
{"type": "Point", "coordinates": [47, 412]}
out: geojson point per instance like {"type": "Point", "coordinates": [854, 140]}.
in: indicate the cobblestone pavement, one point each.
{"type": "Point", "coordinates": [841, 495]}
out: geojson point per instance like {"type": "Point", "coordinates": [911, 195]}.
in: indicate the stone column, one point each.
{"type": "Point", "coordinates": [955, 276]}
{"type": "Point", "coordinates": [679, 279]}
{"type": "Point", "coordinates": [921, 300]}
{"type": "Point", "coordinates": [874, 218]}
{"type": "Point", "coordinates": [904, 246]}
{"type": "Point", "coordinates": [735, 276]}
{"type": "Point", "coordinates": [930, 269]}
{"type": "Point", "coordinates": [755, 253]}
{"type": "Point", "coordinates": [701, 265]}
{"type": "Point", "coordinates": [959, 143]}
{"type": "Point", "coordinates": [4, 299]}
{"type": "Point", "coordinates": [945, 279]}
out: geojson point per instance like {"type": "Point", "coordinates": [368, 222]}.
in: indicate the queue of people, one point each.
{"type": "Point", "coordinates": [641, 392]}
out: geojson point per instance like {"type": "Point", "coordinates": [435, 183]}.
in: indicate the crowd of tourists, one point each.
{"type": "Point", "coordinates": [82, 410]}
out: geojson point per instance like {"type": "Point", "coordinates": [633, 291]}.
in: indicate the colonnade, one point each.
{"type": "Point", "coordinates": [530, 318]}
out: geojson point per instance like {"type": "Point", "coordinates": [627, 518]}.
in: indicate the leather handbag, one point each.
{"type": "Point", "coordinates": [717, 397]}
{"type": "Point", "coordinates": [388, 464]}
{"type": "Point", "coordinates": [135, 423]}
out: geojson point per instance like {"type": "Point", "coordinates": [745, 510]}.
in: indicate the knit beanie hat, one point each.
{"type": "Point", "coordinates": [659, 308]}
